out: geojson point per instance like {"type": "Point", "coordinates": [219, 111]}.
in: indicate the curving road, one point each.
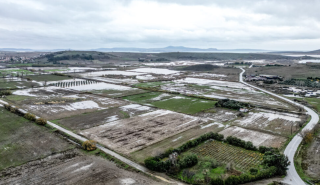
{"type": "Point", "coordinates": [292, 177]}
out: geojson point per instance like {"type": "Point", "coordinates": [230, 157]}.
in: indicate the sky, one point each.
{"type": "Point", "coordinates": [221, 24]}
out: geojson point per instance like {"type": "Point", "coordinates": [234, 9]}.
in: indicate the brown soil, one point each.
{"type": "Point", "coordinates": [71, 167]}
{"type": "Point", "coordinates": [131, 134]}
{"type": "Point", "coordinates": [88, 120]}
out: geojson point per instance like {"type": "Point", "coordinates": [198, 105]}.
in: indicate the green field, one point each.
{"type": "Point", "coordinates": [177, 103]}
{"type": "Point", "coordinates": [41, 78]}
{"type": "Point", "coordinates": [185, 105]}
{"type": "Point", "coordinates": [315, 102]}
{"type": "Point", "coordinates": [16, 84]}
{"type": "Point", "coordinates": [22, 141]}
{"type": "Point", "coordinates": [14, 72]}
{"type": "Point", "coordinates": [151, 84]}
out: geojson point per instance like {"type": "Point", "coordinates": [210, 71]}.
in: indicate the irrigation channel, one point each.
{"type": "Point", "coordinates": [112, 153]}
{"type": "Point", "coordinates": [292, 175]}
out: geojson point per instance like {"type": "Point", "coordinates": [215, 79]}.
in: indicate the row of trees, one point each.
{"type": "Point", "coordinates": [274, 162]}
{"type": "Point", "coordinates": [231, 104]}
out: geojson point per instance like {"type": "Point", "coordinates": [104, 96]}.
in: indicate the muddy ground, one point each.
{"type": "Point", "coordinates": [88, 120]}
{"type": "Point", "coordinates": [131, 134]}
{"type": "Point", "coordinates": [22, 141]}
{"type": "Point", "coordinates": [257, 138]}
{"type": "Point", "coordinates": [72, 167]}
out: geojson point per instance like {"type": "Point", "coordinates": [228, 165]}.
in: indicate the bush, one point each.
{"type": "Point", "coordinates": [7, 106]}
{"type": "Point", "coordinates": [188, 161]}
{"type": "Point", "coordinates": [41, 121]}
{"type": "Point", "coordinates": [217, 181]}
{"type": "Point", "coordinates": [253, 171]}
{"type": "Point", "coordinates": [89, 145]}
{"type": "Point", "coordinates": [231, 104]}
{"type": "Point", "coordinates": [30, 117]}
{"type": "Point", "coordinates": [5, 93]}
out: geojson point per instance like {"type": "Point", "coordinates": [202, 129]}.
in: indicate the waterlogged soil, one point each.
{"type": "Point", "coordinates": [22, 141]}
{"type": "Point", "coordinates": [132, 134]}
{"type": "Point", "coordinates": [72, 167]}
{"type": "Point", "coordinates": [88, 120]}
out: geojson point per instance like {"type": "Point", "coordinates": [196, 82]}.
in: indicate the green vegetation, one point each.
{"type": "Point", "coordinates": [143, 98]}
{"type": "Point", "coordinates": [22, 141]}
{"type": "Point", "coordinates": [151, 84]}
{"type": "Point", "coordinates": [231, 104]}
{"type": "Point", "coordinates": [48, 77]}
{"type": "Point", "coordinates": [30, 117]}
{"type": "Point", "coordinates": [201, 67]}
{"type": "Point", "coordinates": [15, 72]}
{"type": "Point", "coordinates": [187, 105]}
{"type": "Point", "coordinates": [5, 92]}
{"type": "Point", "coordinates": [262, 166]}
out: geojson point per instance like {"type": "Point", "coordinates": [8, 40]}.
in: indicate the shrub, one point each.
{"type": "Point", "coordinates": [5, 92]}
{"type": "Point", "coordinates": [7, 106]}
{"type": "Point", "coordinates": [89, 145]}
{"type": "Point", "coordinates": [30, 117]}
{"type": "Point", "coordinates": [217, 181]}
{"type": "Point", "coordinates": [253, 171]}
{"type": "Point", "coordinates": [188, 161]}
{"type": "Point", "coordinates": [41, 121]}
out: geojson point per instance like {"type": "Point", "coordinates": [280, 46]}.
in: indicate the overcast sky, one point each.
{"type": "Point", "coordinates": [222, 24]}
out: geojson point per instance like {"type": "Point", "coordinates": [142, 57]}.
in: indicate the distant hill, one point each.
{"type": "Point", "coordinates": [146, 50]}
{"type": "Point", "coordinates": [200, 67]}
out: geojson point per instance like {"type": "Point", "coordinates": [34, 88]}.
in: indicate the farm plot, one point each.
{"type": "Point", "coordinates": [72, 167]}
{"type": "Point", "coordinates": [225, 153]}
{"type": "Point", "coordinates": [132, 134]}
{"type": "Point", "coordinates": [218, 115]}
{"type": "Point", "coordinates": [22, 141]}
{"type": "Point", "coordinates": [273, 121]}
{"type": "Point", "coordinates": [178, 103]}
{"type": "Point", "coordinates": [103, 73]}
{"type": "Point", "coordinates": [257, 138]}
{"type": "Point", "coordinates": [48, 77]}
{"type": "Point", "coordinates": [55, 103]}
{"type": "Point", "coordinates": [16, 83]}
{"type": "Point", "coordinates": [175, 140]}
{"type": "Point", "coordinates": [155, 71]}
{"type": "Point", "coordinates": [110, 90]}
{"type": "Point", "coordinates": [222, 90]}
{"type": "Point", "coordinates": [129, 81]}
{"type": "Point", "coordinates": [14, 72]}
{"type": "Point", "coordinates": [88, 120]}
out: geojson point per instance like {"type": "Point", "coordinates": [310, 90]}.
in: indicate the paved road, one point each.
{"type": "Point", "coordinates": [292, 177]}
{"type": "Point", "coordinates": [121, 158]}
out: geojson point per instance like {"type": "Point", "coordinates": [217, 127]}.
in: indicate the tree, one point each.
{"type": "Point", "coordinates": [280, 161]}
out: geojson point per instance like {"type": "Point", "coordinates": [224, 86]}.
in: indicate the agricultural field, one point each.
{"type": "Point", "coordinates": [14, 72]}
{"type": "Point", "coordinates": [256, 137]}
{"type": "Point", "coordinates": [72, 167]}
{"type": "Point", "coordinates": [275, 122]}
{"type": "Point", "coordinates": [243, 159]}
{"type": "Point", "coordinates": [16, 83]}
{"type": "Point", "coordinates": [48, 78]}
{"type": "Point", "coordinates": [22, 141]}
{"type": "Point", "coordinates": [176, 140]}
{"type": "Point", "coordinates": [178, 103]}
{"type": "Point", "coordinates": [106, 89]}
{"type": "Point", "coordinates": [129, 135]}
{"type": "Point", "coordinates": [100, 117]}
{"type": "Point", "coordinates": [55, 103]}
{"type": "Point", "coordinates": [222, 90]}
